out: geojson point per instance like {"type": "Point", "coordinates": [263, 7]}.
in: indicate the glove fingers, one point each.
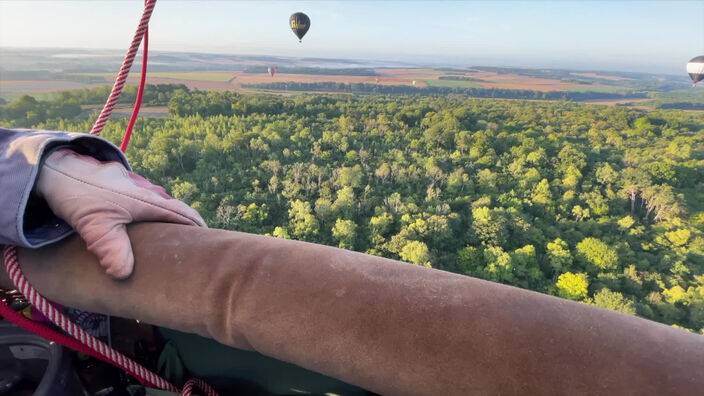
{"type": "Point", "coordinates": [144, 183]}
{"type": "Point", "coordinates": [114, 251]}
{"type": "Point", "coordinates": [106, 236]}
{"type": "Point", "coordinates": [172, 210]}
{"type": "Point", "coordinates": [111, 182]}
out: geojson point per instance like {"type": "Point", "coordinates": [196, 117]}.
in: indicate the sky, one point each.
{"type": "Point", "coordinates": [644, 36]}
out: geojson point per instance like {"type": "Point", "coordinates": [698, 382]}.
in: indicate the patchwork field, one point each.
{"type": "Point", "coordinates": [188, 76]}
{"type": "Point", "coordinates": [14, 88]}
{"type": "Point", "coordinates": [237, 80]}
{"type": "Point", "coordinates": [228, 80]}
{"type": "Point", "coordinates": [513, 81]}
{"type": "Point", "coordinates": [603, 76]}
{"type": "Point", "coordinates": [453, 84]}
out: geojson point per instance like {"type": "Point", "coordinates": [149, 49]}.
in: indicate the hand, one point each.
{"type": "Point", "coordinates": [99, 198]}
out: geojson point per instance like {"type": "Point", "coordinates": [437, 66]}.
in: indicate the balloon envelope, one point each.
{"type": "Point", "coordinates": [271, 71]}
{"type": "Point", "coordinates": [299, 23]}
{"type": "Point", "coordinates": [695, 69]}
{"type": "Point", "coordinates": [414, 82]}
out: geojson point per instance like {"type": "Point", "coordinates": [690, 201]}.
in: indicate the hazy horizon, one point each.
{"type": "Point", "coordinates": [638, 36]}
{"type": "Point", "coordinates": [360, 61]}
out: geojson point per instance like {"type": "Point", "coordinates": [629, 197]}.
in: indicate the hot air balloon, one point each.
{"type": "Point", "coordinates": [300, 23]}
{"type": "Point", "coordinates": [695, 69]}
{"type": "Point", "coordinates": [377, 80]}
{"type": "Point", "coordinates": [414, 82]}
{"type": "Point", "coordinates": [271, 70]}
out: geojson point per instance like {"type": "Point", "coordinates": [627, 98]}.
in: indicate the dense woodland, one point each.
{"type": "Point", "coordinates": [603, 205]}
{"type": "Point", "coordinates": [364, 88]}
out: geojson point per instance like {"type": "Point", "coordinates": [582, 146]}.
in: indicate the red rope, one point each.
{"type": "Point", "coordinates": [45, 332]}
{"type": "Point", "coordinates": [80, 335]}
{"type": "Point", "coordinates": [140, 93]}
{"type": "Point", "coordinates": [82, 341]}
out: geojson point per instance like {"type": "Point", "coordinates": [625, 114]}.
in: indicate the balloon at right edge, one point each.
{"type": "Point", "coordinates": [299, 23]}
{"type": "Point", "coordinates": [695, 69]}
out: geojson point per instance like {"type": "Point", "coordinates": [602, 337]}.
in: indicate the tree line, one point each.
{"type": "Point", "coordinates": [365, 88]}
{"type": "Point", "coordinates": [27, 110]}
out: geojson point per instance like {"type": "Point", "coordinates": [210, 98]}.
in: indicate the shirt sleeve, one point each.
{"type": "Point", "coordinates": [25, 219]}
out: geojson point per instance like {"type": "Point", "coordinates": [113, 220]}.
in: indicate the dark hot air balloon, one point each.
{"type": "Point", "coordinates": [300, 23]}
{"type": "Point", "coordinates": [271, 70]}
{"type": "Point", "coordinates": [695, 69]}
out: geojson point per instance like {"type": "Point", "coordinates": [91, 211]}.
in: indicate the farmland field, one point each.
{"type": "Point", "coordinates": [597, 88]}
{"type": "Point", "coordinates": [602, 76]}
{"type": "Point", "coordinates": [224, 73]}
{"type": "Point", "coordinates": [226, 81]}
{"type": "Point", "coordinates": [453, 83]}
{"type": "Point", "coordinates": [233, 81]}
{"type": "Point", "coordinates": [192, 76]}
{"type": "Point", "coordinates": [189, 76]}
{"type": "Point", "coordinates": [247, 82]}
{"type": "Point", "coordinates": [13, 88]}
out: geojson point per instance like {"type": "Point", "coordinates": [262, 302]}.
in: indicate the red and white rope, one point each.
{"type": "Point", "coordinates": [56, 317]}
{"type": "Point", "coordinates": [121, 78]}
{"type": "Point", "coordinates": [195, 383]}
{"type": "Point", "coordinates": [144, 375]}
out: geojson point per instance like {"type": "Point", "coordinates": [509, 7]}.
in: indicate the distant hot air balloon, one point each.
{"type": "Point", "coordinates": [271, 70]}
{"type": "Point", "coordinates": [300, 23]}
{"type": "Point", "coordinates": [377, 80]}
{"type": "Point", "coordinates": [414, 82]}
{"type": "Point", "coordinates": [695, 69]}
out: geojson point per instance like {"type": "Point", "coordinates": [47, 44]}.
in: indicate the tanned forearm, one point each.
{"type": "Point", "coordinates": [390, 327]}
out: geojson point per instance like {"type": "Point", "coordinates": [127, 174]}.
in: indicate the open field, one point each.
{"type": "Point", "coordinates": [25, 71]}
{"type": "Point", "coordinates": [189, 76]}
{"type": "Point", "coordinates": [514, 81]}
{"type": "Point", "coordinates": [233, 81]}
{"type": "Point", "coordinates": [225, 80]}
{"type": "Point", "coordinates": [597, 88]}
{"type": "Point", "coordinates": [14, 88]}
{"type": "Point", "coordinates": [228, 80]}
{"type": "Point", "coordinates": [603, 76]}
{"type": "Point", "coordinates": [248, 78]}
{"type": "Point", "coordinates": [482, 79]}
{"type": "Point", "coordinates": [453, 83]}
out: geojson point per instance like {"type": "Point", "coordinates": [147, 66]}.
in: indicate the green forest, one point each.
{"type": "Point", "coordinates": [603, 205]}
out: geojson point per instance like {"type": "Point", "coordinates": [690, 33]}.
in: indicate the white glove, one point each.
{"type": "Point", "coordinates": [99, 198]}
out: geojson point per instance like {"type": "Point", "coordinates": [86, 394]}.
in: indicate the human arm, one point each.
{"type": "Point", "coordinates": [56, 182]}
{"type": "Point", "coordinates": [387, 326]}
